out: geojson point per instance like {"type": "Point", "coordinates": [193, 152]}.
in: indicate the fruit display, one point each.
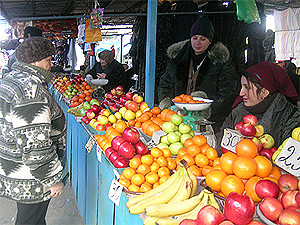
{"type": "Point", "coordinates": [186, 99]}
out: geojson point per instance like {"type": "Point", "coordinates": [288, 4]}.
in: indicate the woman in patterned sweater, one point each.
{"type": "Point", "coordinates": [33, 133]}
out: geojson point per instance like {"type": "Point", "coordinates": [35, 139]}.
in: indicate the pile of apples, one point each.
{"type": "Point", "coordinates": [125, 147]}
{"type": "Point", "coordinates": [281, 202]}
{"type": "Point", "coordinates": [264, 142]}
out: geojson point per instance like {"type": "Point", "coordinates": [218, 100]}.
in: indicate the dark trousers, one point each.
{"type": "Point", "coordinates": [32, 214]}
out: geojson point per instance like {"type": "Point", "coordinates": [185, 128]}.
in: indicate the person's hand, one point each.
{"type": "Point", "coordinates": [56, 189]}
{"type": "Point", "coordinates": [165, 103]}
{"type": "Point", "coordinates": [101, 75]}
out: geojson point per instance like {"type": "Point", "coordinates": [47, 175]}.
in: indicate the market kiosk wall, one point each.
{"type": "Point", "coordinates": [91, 177]}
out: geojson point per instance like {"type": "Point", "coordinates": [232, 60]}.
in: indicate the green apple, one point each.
{"type": "Point", "coordinates": [184, 137]}
{"type": "Point", "coordinates": [86, 105]}
{"type": "Point", "coordinates": [185, 128]}
{"type": "Point", "coordinates": [164, 139]}
{"type": "Point", "coordinates": [168, 127]}
{"type": "Point", "coordinates": [94, 101]}
{"type": "Point", "coordinates": [82, 111]}
{"type": "Point", "coordinates": [175, 147]}
{"type": "Point", "coordinates": [173, 137]}
{"type": "Point", "coordinates": [192, 133]}
{"type": "Point", "coordinates": [176, 119]}
{"type": "Point", "coordinates": [178, 133]}
{"type": "Point", "coordinates": [162, 145]}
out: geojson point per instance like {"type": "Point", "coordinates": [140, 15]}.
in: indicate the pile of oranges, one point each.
{"type": "Point", "coordinates": [186, 99]}
{"type": "Point", "coordinates": [84, 91]}
{"type": "Point", "coordinates": [148, 171]}
{"type": "Point", "coordinates": [239, 172]}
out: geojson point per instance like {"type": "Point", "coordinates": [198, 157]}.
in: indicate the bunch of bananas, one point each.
{"type": "Point", "coordinates": [75, 110]}
{"type": "Point", "coordinates": [172, 201]}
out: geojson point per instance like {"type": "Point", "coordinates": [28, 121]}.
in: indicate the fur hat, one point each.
{"type": "Point", "coordinates": [32, 32]}
{"type": "Point", "coordinates": [34, 49]}
{"type": "Point", "coordinates": [107, 55]}
{"type": "Point", "coordinates": [203, 26]}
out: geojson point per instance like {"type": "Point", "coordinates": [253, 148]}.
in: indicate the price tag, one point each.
{"type": "Point", "coordinates": [289, 157]}
{"type": "Point", "coordinates": [230, 139]}
{"type": "Point", "coordinates": [89, 145]}
{"type": "Point", "coordinates": [99, 154]}
{"type": "Point", "coordinates": [115, 191]}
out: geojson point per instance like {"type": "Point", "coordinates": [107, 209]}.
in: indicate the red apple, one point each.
{"type": "Point", "coordinates": [274, 149]}
{"type": "Point", "coordinates": [267, 141]}
{"type": "Point", "coordinates": [210, 215]}
{"type": "Point", "coordinates": [287, 182]}
{"type": "Point", "coordinates": [254, 222]}
{"type": "Point", "coordinates": [95, 108]}
{"type": "Point", "coordinates": [271, 208]}
{"type": "Point", "coordinates": [126, 150]}
{"type": "Point", "coordinates": [109, 151]}
{"type": "Point", "coordinates": [297, 198]}
{"type": "Point", "coordinates": [100, 127]}
{"type": "Point", "coordinates": [267, 152]}
{"type": "Point", "coordinates": [226, 222]}
{"type": "Point", "coordinates": [290, 216]}
{"type": "Point", "coordinates": [248, 130]}
{"type": "Point", "coordinates": [238, 208]}
{"type": "Point", "coordinates": [121, 162]}
{"type": "Point", "coordinates": [259, 130]}
{"type": "Point", "coordinates": [239, 126]}
{"type": "Point", "coordinates": [133, 106]}
{"type": "Point", "coordinates": [116, 142]}
{"type": "Point", "coordinates": [108, 126]}
{"type": "Point", "coordinates": [113, 156]}
{"type": "Point", "coordinates": [141, 148]}
{"type": "Point", "coordinates": [120, 88]}
{"type": "Point", "coordinates": [137, 156]}
{"type": "Point", "coordinates": [113, 91]}
{"type": "Point", "coordinates": [257, 142]}
{"type": "Point", "coordinates": [108, 95]}
{"type": "Point", "coordinates": [289, 199]}
{"type": "Point", "coordinates": [188, 222]}
{"type": "Point", "coordinates": [90, 114]}
{"type": "Point", "coordinates": [129, 95]}
{"type": "Point", "coordinates": [131, 135]}
{"type": "Point", "coordinates": [266, 188]}
{"type": "Point", "coordinates": [250, 119]}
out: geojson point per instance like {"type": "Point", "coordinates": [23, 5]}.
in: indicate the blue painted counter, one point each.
{"type": "Point", "coordinates": [91, 179]}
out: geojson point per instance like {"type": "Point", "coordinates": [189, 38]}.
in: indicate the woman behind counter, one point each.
{"type": "Point", "coordinates": [267, 93]}
{"type": "Point", "coordinates": [108, 68]}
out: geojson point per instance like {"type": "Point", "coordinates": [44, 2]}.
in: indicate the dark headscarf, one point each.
{"type": "Point", "coordinates": [273, 78]}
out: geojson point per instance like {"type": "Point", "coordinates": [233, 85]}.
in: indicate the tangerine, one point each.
{"type": "Point", "coordinates": [163, 171]}
{"type": "Point", "coordinates": [163, 178]}
{"type": "Point", "coordinates": [244, 167]}
{"type": "Point", "coordinates": [199, 140]}
{"type": "Point", "coordinates": [147, 159]}
{"type": "Point", "coordinates": [264, 166]}
{"type": "Point", "coordinates": [189, 159]}
{"type": "Point", "coordinates": [162, 161]}
{"type": "Point", "coordinates": [128, 173]}
{"type": "Point", "coordinates": [152, 177]}
{"type": "Point", "coordinates": [120, 126]}
{"type": "Point", "coordinates": [134, 188]}
{"type": "Point", "coordinates": [145, 187]}
{"type": "Point", "coordinates": [166, 152]}
{"type": "Point", "coordinates": [250, 188]}
{"type": "Point", "coordinates": [156, 152]}
{"type": "Point", "coordinates": [226, 162]}
{"type": "Point", "coordinates": [131, 123]}
{"type": "Point", "coordinates": [206, 170]}
{"type": "Point", "coordinates": [275, 172]}
{"type": "Point", "coordinates": [271, 179]}
{"type": "Point", "coordinates": [181, 152]}
{"type": "Point", "coordinates": [201, 160]}
{"type": "Point", "coordinates": [137, 179]}
{"type": "Point", "coordinates": [232, 183]}
{"type": "Point", "coordinates": [134, 163]}
{"type": "Point", "coordinates": [193, 150]}
{"type": "Point", "coordinates": [171, 164]}
{"type": "Point", "coordinates": [188, 142]}
{"type": "Point", "coordinates": [211, 153]}
{"type": "Point", "coordinates": [195, 170]}
{"type": "Point", "coordinates": [154, 167]}
{"type": "Point", "coordinates": [126, 183]}
{"type": "Point", "coordinates": [156, 110]}
{"type": "Point", "coordinates": [143, 169]}
{"type": "Point", "coordinates": [214, 178]}
{"type": "Point", "coordinates": [246, 147]}
{"type": "Point", "coordinates": [204, 148]}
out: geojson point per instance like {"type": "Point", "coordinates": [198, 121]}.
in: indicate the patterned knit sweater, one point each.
{"type": "Point", "coordinates": [33, 135]}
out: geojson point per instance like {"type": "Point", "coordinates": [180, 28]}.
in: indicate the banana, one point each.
{"type": "Point", "coordinates": [156, 190]}
{"type": "Point", "coordinates": [163, 196]}
{"type": "Point", "coordinates": [212, 201]}
{"type": "Point", "coordinates": [175, 220]}
{"type": "Point", "coordinates": [174, 209]}
{"type": "Point", "coordinates": [150, 220]}
{"type": "Point", "coordinates": [194, 183]}
{"type": "Point", "coordinates": [75, 110]}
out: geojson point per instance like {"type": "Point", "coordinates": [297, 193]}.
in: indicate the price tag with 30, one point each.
{"type": "Point", "coordinates": [115, 191]}
{"type": "Point", "coordinates": [289, 157]}
{"type": "Point", "coordinates": [230, 139]}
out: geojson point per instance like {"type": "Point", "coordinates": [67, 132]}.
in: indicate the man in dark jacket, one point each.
{"type": "Point", "coordinates": [201, 64]}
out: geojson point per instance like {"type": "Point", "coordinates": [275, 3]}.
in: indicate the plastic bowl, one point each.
{"type": "Point", "coordinates": [194, 106]}
{"type": "Point", "coordinates": [99, 82]}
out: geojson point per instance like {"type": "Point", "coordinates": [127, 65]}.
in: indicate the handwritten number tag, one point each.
{"type": "Point", "coordinates": [230, 139]}
{"type": "Point", "coordinates": [99, 153]}
{"type": "Point", "coordinates": [115, 192]}
{"type": "Point", "coordinates": [89, 145]}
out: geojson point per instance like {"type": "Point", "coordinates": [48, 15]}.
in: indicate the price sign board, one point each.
{"type": "Point", "coordinates": [115, 191]}
{"type": "Point", "coordinates": [230, 139]}
{"type": "Point", "coordinates": [89, 145]}
{"type": "Point", "coordinates": [99, 153]}
{"type": "Point", "coordinates": [289, 157]}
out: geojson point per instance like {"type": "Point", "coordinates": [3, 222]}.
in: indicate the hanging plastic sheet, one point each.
{"type": "Point", "coordinates": [247, 11]}
{"type": "Point", "coordinates": [92, 34]}
{"type": "Point", "coordinates": [97, 18]}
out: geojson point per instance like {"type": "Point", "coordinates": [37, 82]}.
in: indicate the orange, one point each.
{"type": "Point", "coordinates": [201, 160]}
{"type": "Point", "coordinates": [246, 147]}
{"type": "Point", "coordinates": [156, 110]}
{"type": "Point", "coordinates": [113, 134]}
{"type": "Point", "coordinates": [143, 169]}
{"type": "Point", "coordinates": [217, 167]}
{"type": "Point", "coordinates": [138, 125]}
{"type": "Point", "coordinates": [195, 170]}
{"type": "Point", "coordinates": [134, 188]}
{"type": "Point", "coordinates": [204, 148]}
{"type": "Point", "coordinates": [264, 166]}
{"type": "Point", "coordinates": [163, 171]}
{"type": "Point", "coordinates": [120, 126]}
{"type": "Point", "coordinates": [126, 183]}
{"type": "Point", "coordinates": [144, 117]}
{"type": "Point", "coordinates": [226, 162]}
{"type": "Point", "coordinates": [181, 152]}
{"type": "Point", "coordinates": [211, 153]}
{"type": "Point", "coordinates": [199, 140]}
{"type": "Point", "coordinates": [128, 173]}
{"type": "Point", "coordinates": [155, 185]}
{"type": "Point", "coordinates": [131, 123]}
{"type": "Point", "coordinates": [138, 179]}
{"type": "Point", "coordinates": [213, 179]}
{"type": "Point", "coordinates": [216, 161]}
{"type": "Point", "coordinates": [244, 167]}
{"type": "Point", "coordinates": [271, 179]}
{"type": "Point", "coordinates": [166, 152]}
{"type": "Point", "coordinates": [193, 150]}
{"type": "Point", "coordinates": [162, 161]}
{"type": "Point", "coordinates": [177, 99]}
{"type": "Point", "coordinates": [156, 152]}
{"type": "Point", "coordinates": [108, 131]}
{"type": "Point", "coordinates": [154, 167]}
{"type": "Point", "coordinates": [189, 159]}
{"type": "Point", "coordinates": [134, 163]}
{"type": "Point", "coordinates": [151, 128]}
{"type": "Point", "coordinates": [188, 142]}
{"type": "Point", "coordinates": [103, 143]}
{"type": "Point", "coordinates": [152, 177]}
{"type": "Point", "coordinates": [163, 178]}
{"type": "Point", "coordinates": [147, 159]}
{"type": "Point", "coordinates": [171, 163]}
{"type": "Point", "coordinates": [232, 183]}
{"type": "Point", "coordinates": [206, 170]}
{"type": "Point", "coordinates": [250, 188]}
{"type": "Point", "coordinates": [99, 138]}
{"type": "Point", "coordinates": [275, 172]}
{"type": "Point", "coordinates": [145, 187]}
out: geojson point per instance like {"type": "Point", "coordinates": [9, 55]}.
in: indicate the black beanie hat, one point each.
{"type": "Point", "coordinates": [34, 49]}
{"type": "Point", "coordinates": [203, 26]}
{"type": "Point", "coordinates": [32, 32]}
{"type": "Point", "coordinates": [107, 55]}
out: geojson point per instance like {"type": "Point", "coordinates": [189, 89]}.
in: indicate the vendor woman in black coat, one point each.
{"type": "Point", "coordinates": [199, 65]}
{"type": "Point", "coordinates": [108, 68]}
